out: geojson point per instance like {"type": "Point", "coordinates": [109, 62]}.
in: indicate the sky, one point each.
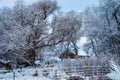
{"type": "Point", "coordinates": [66, 5]}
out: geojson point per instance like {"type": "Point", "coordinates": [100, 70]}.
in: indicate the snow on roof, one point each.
{"type": "Point", "coordinates": [3, 61]}
{"type": "Point", "coordinates": [82, 53]}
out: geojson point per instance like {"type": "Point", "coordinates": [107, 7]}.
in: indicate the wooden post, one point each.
{"type": "Point", "coordinates": [13, 74]}
{"type": "Point", "coordinates": [56, 75]}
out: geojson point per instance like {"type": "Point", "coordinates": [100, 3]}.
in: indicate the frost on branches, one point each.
{"type": "Point", "coordinates": [115, 72]}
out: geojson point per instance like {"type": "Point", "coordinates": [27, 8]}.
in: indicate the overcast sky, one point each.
{"type": "Point", "coordinates": [66, 5]}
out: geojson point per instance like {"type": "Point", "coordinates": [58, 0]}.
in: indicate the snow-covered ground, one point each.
{"type": "Point", "coordinates": [45, 72]}
{"type": "Point", "coordinates": [27, 74]}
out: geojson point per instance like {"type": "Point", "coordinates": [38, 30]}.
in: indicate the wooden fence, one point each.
{"type": "Point", "coordinates": [87, 71]}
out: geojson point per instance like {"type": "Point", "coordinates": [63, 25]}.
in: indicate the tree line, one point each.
{"type": "Point", "coordinates": [29, 30]}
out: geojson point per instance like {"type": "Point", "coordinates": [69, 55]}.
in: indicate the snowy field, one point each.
{"type": "Point", "coordinates": [56, 72]}
{"type": "Point", "coordinates": [25, 74]}
{"type": "Point", "coordinates": [46, 73]}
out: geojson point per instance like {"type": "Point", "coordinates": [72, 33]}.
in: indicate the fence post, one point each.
{"type": "Point", "coordinates": [55, 73]}
{"type": "Point", "coordinates": [13, 74]}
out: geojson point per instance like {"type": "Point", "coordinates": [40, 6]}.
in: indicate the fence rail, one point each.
{"type": "Point", "coordinates": [87, 71]}
{"type": "Point", "coordinates": [94, 69]}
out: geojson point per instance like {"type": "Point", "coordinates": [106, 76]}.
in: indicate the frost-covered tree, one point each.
{"type": "Point", "coordinates": [40, 11]}
{"type": "Point", "coordinates": [66, 28]}
{"type": "Point", "coordinates": [12, 36]}
{"type": "Point", "coordinates": [102, 25]}
{"type": "Point", "coordinates": [23, 29]}
{"type": "Point", "coordinates": [6, 25]}
{"type": "Point", "coordinates": [92, 27]}
{"type": "Point", "coordinates": [20, 13]}
{"type": "Point", "coordinates": [110, 20]}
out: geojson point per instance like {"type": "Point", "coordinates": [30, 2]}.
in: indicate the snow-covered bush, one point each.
{"type": "Point", "coordinates": [52, 60]}
{"type": "Point", "coordinates": [115, 72]}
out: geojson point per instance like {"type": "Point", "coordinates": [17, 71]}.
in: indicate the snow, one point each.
{"type": "Point", "coordinates": [37, 62]}
{"type": "Point", "coordinates": [27, 78]}
{"type": "Point", "coordinates": [26, 74]}
{"type": "Point", "coordinates": [81, 43]}
{"type": "Point", "coordinates": [53, 73]}
{"type": "Point", "coordinates": [81, 52]}
{"type": "Point", "coordinates": [115, 73]}
{"type": "Point", "coordinates": [58, 73]}
{"type": "Point", "coordinates": [3, 61]}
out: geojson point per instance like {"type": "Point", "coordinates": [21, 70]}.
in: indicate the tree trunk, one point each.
{"type": "Point", "coordinates": [93, 46]}
{"type": "Point", "coordinates": [75, 48]}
